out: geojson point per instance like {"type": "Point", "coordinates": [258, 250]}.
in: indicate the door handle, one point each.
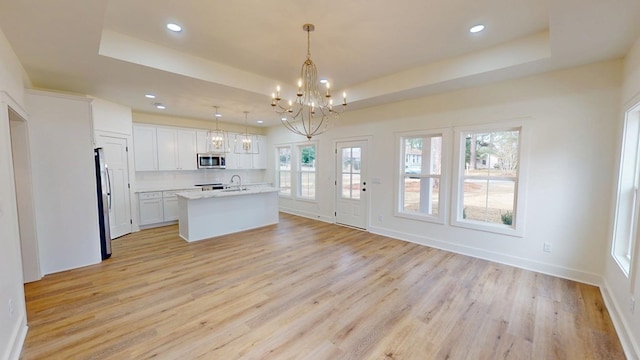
{"type": "Point", "coordinates": [106, 170]}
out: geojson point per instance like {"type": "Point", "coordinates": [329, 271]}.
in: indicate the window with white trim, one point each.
{"type": "Point", "coordinates": [422, 187]}
{"type": "Point", "coordinates": [307, 171]}
{"type": "Point", "coordinates": [295, 174]}
{"type": "Point", "coordinates": [283, 176]}
{"type": "Point", "coordinates": [487, 195]}
{"type": "Point", "coordinates": [625, 225]}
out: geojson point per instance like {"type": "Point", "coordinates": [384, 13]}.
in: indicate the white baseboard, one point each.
{"type": "Point", "coordinates": [17, 340]}
{"type": "Point", "coordinates": [160, 224]}
{"type": "Point", "coordinates": [308, 215]}
{"type": "Point", "coordinates": [549, 269]}
{"type": "Point", "coordinates": [630, 347]}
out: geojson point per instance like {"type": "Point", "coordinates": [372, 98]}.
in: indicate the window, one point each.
{"type": "Point", "coordinates": [296, 170]}
{"type": "Point", "coordinates": [487, 179]}
{"type": "Point", "coordinates": [627, 202]}
{"type": "Point", "coordinates": [351, 159]}
{"type": "Point", "coordinates": [284, 170]}
{"type": "Point", "coordinates": [422, 188]}
{"type": "Point", "coordinates": [307, 171]}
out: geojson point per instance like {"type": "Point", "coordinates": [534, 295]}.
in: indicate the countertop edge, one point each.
{"type": "Point", "coordinates": [222, 193]}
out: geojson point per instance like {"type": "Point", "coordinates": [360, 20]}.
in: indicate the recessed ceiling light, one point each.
{"type": "Point", "coordinates": [323, 81]}
{"type": "Point", "coordinates": [174, 27]}
{"type": "Point", "coordinates": [476, 28]}
{"type": "Point", "coordinates": [260, 121]}
{"type": "Point", "coordinates": [150, 96]}
{"type": "Point", "coordinates": [160, 106]}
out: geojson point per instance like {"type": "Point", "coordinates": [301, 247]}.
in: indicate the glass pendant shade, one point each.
{"type": "Point", "coordinates": [246, 143]}
{"type": "Point", "coordinates": [218, 140]}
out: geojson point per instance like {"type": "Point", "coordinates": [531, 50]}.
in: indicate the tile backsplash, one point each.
{"type": "Point", "coordinates": [187, 179]}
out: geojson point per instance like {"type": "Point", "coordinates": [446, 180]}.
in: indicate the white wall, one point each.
{"type": "Point", "coordinates": [568, 117]}
{"type": "Point", "coordinates": [12, 328]}
{"type": "Point", "coordinates": [111, 117]}
{"type": "Point", "coordinates": [619, 289]}
{"type": "Point", "coordinates": [64, 180]}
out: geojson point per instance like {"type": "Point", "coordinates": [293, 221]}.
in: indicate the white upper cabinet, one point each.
{"type": "Point", "coordinates": [167, 148]}
{"type": "Point", "coordinates": [167, 152]}
{"type": "Point", "coordinates": [145, 149]}
{"type": "Point", "coordinates": [187, 149]}
{"type": "Point", "coordinates": [202, 141]}
{"type": "Point", "coordinates": [231, 157]}
{"type": "Point", "coordinates": [260, 159]}
{"type": "Point", "coordinates": [176, 149]}
{"type": "Point", "coordinates": [239, 159]}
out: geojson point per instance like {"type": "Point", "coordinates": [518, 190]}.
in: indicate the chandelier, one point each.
{"type": "Point", "coordinates": [218, 139]}
{"type": "Point", "coordinates": [310, 112]}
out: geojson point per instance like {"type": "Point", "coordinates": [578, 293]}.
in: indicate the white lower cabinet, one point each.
{"type": "Point", "coordinates": [158, 207]}
{"type": "Point", "coordinates": [170, 205]}
{"type": "Point", "coordinates": [151, 207]}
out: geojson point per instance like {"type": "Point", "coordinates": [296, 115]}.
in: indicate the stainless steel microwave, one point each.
{"type": "Point", "coordinates": [211, 161]}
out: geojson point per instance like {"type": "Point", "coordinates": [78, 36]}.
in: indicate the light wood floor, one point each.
{"type": "Point", "coordinates": [304, 289]}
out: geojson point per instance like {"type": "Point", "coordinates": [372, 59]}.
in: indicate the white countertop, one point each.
{"type": "Point", "coordinates": [195, 195]}
{"type": "Point", "coordinates": [153, 188]}
{"type": "Point", "coordinates": [165, 188]}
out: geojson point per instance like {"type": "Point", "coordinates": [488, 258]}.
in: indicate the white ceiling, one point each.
{"type": "Point", "coordinates": [233, 53]}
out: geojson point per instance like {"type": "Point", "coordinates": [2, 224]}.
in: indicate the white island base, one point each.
{"type": "Point", "coordinates": [207, 214]}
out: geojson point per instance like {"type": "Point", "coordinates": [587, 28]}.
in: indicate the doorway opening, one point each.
{"type": "Point", "coordinates": [18, 132]}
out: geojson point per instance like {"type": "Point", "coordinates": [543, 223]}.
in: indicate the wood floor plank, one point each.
{"type": "Point", "coordinates": [304, 289]}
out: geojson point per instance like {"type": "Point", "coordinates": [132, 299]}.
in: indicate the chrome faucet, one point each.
{"type": "Point", "coordinates": [239, 181]}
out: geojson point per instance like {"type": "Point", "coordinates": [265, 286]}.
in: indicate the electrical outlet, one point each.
{"type": "Point", "coordinates": [546, 247]}
{"type": "Point", "coordinates": [632, 305]}
{"type": "Point", "coordinates": [10, 308]}
{"type": "Point", "coordinates": [380, 218]}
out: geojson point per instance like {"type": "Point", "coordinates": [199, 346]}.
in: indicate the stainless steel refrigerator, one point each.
{"type": "Point", "coordinates": [104, 202]}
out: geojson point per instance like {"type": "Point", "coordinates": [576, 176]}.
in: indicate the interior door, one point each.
{"type": "Point", "coordinates": [117, 161]}
{"type": "Point", "coordinates": [352, 196]}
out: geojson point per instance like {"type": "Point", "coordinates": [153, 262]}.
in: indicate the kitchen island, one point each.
{"type": "Point", "coordinates": [207, 214]}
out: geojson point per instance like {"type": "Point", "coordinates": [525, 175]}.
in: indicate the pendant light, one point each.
{"type": "Point", "coordinates": [246, 143]}
{"type": "Point", "coordinates": [218, 140]}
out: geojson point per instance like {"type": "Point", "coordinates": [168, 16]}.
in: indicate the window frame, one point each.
{"type": "Point", "coordinates": [625, 222]}
{"type": "Point", "coordinates": [299, 171]}
{"type": "Point", "coordinates": [295, 171]}
{"type": "Point", "coordinates": [401, 175]}
{"type": "Point", "coordinates": [291, 158]}
{"type": "Point", "coordinates": [457, 193]}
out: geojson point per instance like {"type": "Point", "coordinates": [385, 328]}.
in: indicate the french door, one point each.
{"type": "Point", "coordinates": [351, 183]}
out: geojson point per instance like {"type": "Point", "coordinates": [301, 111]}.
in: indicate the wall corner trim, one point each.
{"type": "Point", "coordinates": [630, 347]}
{"type": "Point", "coordinates": [17, 340]}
